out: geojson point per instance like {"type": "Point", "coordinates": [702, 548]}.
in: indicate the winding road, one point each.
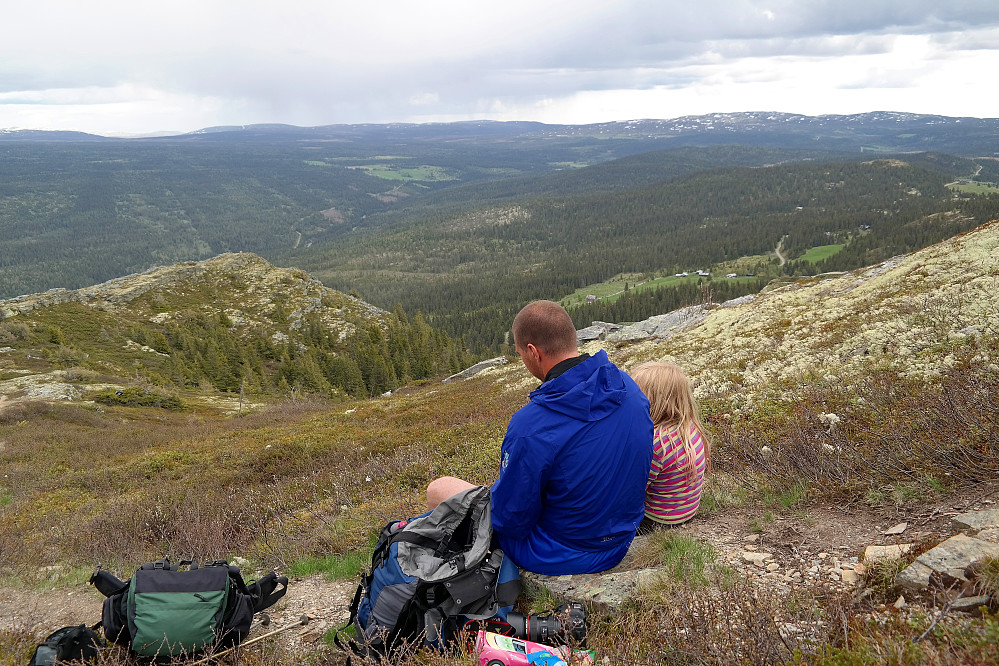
{"type": "Point", "coordinates": [780, 255]}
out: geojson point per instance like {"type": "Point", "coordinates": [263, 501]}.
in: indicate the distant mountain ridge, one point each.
{"type": "Point", "coordinates": [877, 130]}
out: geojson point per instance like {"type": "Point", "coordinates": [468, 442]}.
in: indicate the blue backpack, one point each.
{"type": "Point", "coordinates": [429, 576]}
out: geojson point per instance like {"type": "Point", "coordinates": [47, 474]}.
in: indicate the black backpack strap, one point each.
{"type": "Point", "coordinates": [160, 564]}
{"type": "Point", "coordinates": [107, 584]}
{"type": "Point", "coordinates": [265, 591]}
{"type": "Point", "coordinates": [349, 646]}
{"type": "Point", "coordinates": [72, 643]}
{"type": "Point", "coordinates": [418, 540]}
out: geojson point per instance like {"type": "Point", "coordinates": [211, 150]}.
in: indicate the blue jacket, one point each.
{"type": "Point", "coordinates": [573, 469]}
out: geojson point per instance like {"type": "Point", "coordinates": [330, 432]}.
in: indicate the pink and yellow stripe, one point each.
{"type": "Point", "coordinates": [670, 497]}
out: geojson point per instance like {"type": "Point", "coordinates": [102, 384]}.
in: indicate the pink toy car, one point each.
{"type": "Point", "coordinates": [498, 650]}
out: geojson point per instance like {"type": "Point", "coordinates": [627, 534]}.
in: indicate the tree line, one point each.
{"type": "Point", "coordinates": [206, 351]}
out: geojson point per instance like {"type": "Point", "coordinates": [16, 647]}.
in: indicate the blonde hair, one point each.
{"type": "Point", "coordinates": [672, 405]}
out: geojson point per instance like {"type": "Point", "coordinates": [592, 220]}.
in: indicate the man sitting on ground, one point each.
{"type": "Point", "coordinates": [574, 461]}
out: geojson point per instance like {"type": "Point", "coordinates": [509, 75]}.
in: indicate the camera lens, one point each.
{"type": "Point", "coordinates": [518, 623]}
{"type": "Point", "coordinates": [549, 629]}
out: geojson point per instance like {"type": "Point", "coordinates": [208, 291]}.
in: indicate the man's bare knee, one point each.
{"type": "Point", "coordinates": [440, 489]}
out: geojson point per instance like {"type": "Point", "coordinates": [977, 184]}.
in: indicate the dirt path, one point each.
{"type": "Point", "coordinates": [777, 251]}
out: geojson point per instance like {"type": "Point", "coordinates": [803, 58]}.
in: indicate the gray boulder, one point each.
{"type": "Point", "coordinates": [661, 326]}
{"type": "Point", "coordinates": [477, 368]}
{"type": "Point", "coordinates": [598, 330]}
{"type": "Point", "coordinates": [976, 520]}
{"type": "Point", "coordinates": [949, 558]}
{"type": "Point", "coordinates": [606, 590]}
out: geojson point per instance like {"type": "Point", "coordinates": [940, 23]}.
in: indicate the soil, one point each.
{"type": "Point", "coordinates": [839, 530]}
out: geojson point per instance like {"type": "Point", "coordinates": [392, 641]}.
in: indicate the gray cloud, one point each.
{"type": "Point", "coordinates": [311, 62]}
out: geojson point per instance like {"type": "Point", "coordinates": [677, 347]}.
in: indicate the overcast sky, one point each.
{"type": "Point", "coordinates": [122, 66]}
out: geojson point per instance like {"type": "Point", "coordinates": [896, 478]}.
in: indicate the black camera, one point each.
{"type": "Point", "coordinates": [566, 625]}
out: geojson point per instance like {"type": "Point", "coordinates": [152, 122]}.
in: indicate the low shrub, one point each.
{"type": "Point", "coordinates": [139, 397]}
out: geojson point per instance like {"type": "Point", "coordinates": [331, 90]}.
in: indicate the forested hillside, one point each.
{"type": "Point", "coordinates": [73, 215]}
{"type": "Point", "coordinates": [233, 324]}
{"type": "Point", "coordinates": [470, 271]}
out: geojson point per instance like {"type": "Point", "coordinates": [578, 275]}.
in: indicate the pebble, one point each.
{"type": "Point", "coordinates": [850, 576]}
{"type": "Point", "coordinates": [897, 529]}
{"type": "Point", "coordinates": [758, 559]}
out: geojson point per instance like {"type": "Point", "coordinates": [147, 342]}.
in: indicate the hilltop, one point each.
{"type": "Point", "coordinates": [227, 282]}
{"type": "Point", "coordinates": [233, 323]}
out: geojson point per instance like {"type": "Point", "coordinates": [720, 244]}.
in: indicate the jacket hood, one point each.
{"type": "Point", "coordinates": [589, 391]}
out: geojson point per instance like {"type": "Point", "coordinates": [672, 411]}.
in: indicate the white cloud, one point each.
{"type": "Point", "coordinates": [110, 65]}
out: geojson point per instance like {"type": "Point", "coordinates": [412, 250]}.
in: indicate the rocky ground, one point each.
{"type": "Point", "coordinates": [822, 546]}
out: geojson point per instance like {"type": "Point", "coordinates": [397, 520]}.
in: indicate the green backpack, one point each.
{"type": "Point", "coordinates": [163, 611]}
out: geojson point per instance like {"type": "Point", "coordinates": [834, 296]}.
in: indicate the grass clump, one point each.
{"type": "Point", "coordinates": [987, 576]}
{"type": "Point", "coordinates": [719, 492]}
{"type": "Point", "coordinates": [786, 498]}
{"type": "Point", "coordinates": [332, 567]}
{"type": "Point", "coordinates": [897, 639]}
{"type": "Point", "coordinates": [17, 646]}
{"type": "Point", "coordinates": [680, 556]}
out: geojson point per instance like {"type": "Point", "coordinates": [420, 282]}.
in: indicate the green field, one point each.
{"type": "Point", "coordinates": [607, 291]}
{"type": "Point", "coordinates": [613, 289]}
{"type": "Point", "coordinates": [424, 172]}
{"type": "Point", "coordinates": [972, 187]}
{"type": "Point", "coordinates": [820, 252]}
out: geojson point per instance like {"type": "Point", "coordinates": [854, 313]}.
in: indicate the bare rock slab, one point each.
{"type": "Point", "coordinates": [605, 591]}
{"type": "Point", "coordinates": [477, 368]}
{"type": "Point", "coordinates": [976, 520]}
{"type": "Point", "coordinates": [892, 551]}
{"type": "Point", "coordinates": [989, 534]}
{"type": "Point", "coordinates": [971, 604]}
{"type": "Point", "coordinates": [759, 559]}
{"type": "Point", "coordinates": [950, 557]}
{"type": "Point", "coordinates": [897, 529]}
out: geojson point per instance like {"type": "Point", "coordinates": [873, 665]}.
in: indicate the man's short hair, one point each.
{"type": "Point", "coordinates": [547, 326]}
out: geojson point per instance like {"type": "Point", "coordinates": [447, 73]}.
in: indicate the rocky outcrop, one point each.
{"type": "Point", "coordinates": [661, 326]}
{"type": "Point", "coordinates": [598, 330]}
{"type": "Point", "coordinates": [259, 279]}
{"type": "Point", "coordinates": [953, 562]}
{"type": "Point", "coordinates": [477, 368]}
{"type": "Point", "coordinates": [953, 559]}
{"type": "Point", "coordinates": [606, 590]}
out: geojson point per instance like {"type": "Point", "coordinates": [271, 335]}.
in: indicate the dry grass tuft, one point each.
{"type": "Point", "coordinates": [893, 438]}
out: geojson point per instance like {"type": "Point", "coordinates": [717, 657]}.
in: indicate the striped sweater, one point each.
{"type": "Point", "coordinates": [669, 498]}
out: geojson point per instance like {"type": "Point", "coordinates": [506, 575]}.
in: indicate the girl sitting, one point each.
{"type": "Point", "coordinates": [681, 453]}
